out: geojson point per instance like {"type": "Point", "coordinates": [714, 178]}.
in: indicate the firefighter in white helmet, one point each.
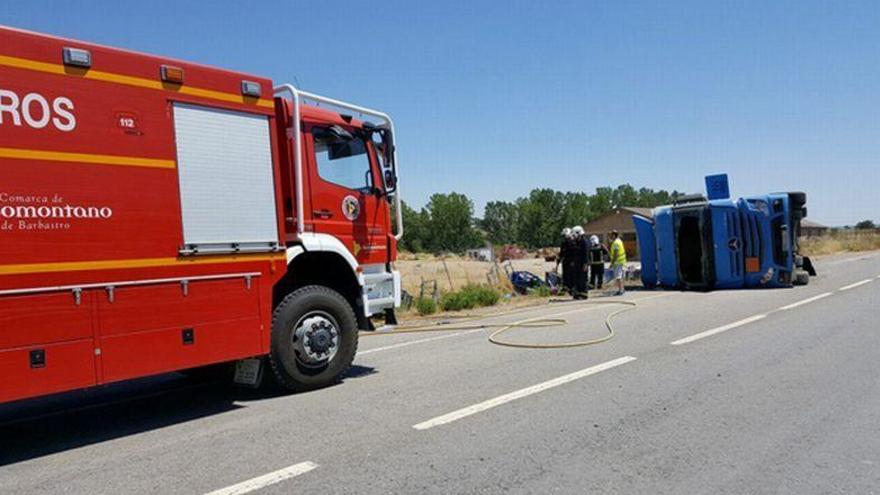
{"type": "Point", "coordinates": [579, 262]}
{"type": "Point", "coordinates": [598, 253]}
{"type": "Point", "coordinates": [566, 255]}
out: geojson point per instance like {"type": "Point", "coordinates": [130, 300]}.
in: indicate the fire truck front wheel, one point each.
{"type": "Point", "coordinates": [314, 338]}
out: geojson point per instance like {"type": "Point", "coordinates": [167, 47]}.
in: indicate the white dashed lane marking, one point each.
{"type": "Point", "coordinates": [715, 331]}
{"type": "Point", "coordinates": [265, 480]}
{"type": "Point", "coordinates": [420, 341]}
{"type": "Point", "coordinates": [519, 394]}
{"type": "Point", "coordinates": [805, 301]}
{"type": "Point", "coordinates": [857, 284]}
{"type": "Point", "coordinates": [752, 319]}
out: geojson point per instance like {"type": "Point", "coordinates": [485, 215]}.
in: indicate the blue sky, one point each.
{"type": "Point", "coordinates": [494, 98]}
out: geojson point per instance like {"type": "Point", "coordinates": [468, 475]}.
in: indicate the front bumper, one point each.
{"type": "Point", "coordinates": [381, 289]}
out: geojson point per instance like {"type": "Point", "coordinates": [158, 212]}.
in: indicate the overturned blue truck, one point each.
{"type": "Point", "coordinates": [701, 243]}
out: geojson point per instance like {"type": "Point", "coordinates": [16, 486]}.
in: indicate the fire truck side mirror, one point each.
{"type": "Point", "coordinates": [390, 181]}
{"type": "Point", "coordinates": [333, 134]}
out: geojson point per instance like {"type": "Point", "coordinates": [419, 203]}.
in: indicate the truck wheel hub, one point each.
{"type": "Point", "coordinates": [316, 338]}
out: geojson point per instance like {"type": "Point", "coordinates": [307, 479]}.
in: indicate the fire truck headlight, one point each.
{"type": "Point", "coordinates": [77, 57]}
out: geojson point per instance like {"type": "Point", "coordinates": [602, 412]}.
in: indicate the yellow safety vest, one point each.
{"type": "Point", "coordinates": [618, 252]}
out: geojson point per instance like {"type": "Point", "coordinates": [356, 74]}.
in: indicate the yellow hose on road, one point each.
{"type": "Point", "coordinates": [501, 328]}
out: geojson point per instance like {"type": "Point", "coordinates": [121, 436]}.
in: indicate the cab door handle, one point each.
{"type": "Point", "coordinates": [322, 213]}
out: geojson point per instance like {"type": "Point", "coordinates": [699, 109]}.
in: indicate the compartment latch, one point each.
{"type": "Point", "coordinates": [189, 336]}
{"type": "Point", "coordinates": [38, 358]}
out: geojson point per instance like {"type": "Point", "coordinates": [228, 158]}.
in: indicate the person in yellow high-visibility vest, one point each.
{"type": "Point", "coordinates": [618, 260]}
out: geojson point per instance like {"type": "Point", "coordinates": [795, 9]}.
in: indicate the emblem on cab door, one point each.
{"type": "Point", "coordinates": [351, 208]}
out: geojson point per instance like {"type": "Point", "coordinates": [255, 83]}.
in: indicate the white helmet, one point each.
{"type": "Point", "coordinates": [577, 231]}
{"type": "Point", "coordinates": [594, 240]}
{"type": "Point", "coordinates": [566, 232]}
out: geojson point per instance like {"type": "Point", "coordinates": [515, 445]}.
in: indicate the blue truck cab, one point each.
{"type": "Point", "coordinates": [703, 244]}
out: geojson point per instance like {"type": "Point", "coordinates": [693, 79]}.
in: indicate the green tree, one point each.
{"type": "Point", "coordinates": [650, 198]}
{"type": "Point", "coordinates": [450, 223]}
{"type": "Point", "coordinates": [576, 209]}
{"type": "Point", "coordinates": [501, 222]}
{"type": "Point", "coordinates": [866, 225]}
{"type": "Point", "coordinates": [625, 195]}
{"type": "Point", "coordinates": [415, 227]}
{"type": "Point", "coordinates": [540, 219]}
{"type": "Point", "coordinates": [602, 202]}
{"type": "Point", "coordinates": [535, 221]}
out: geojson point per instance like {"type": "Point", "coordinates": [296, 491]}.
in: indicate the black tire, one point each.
{"type": "Point", "coordinates": [288, 361]}
{"type": "Point", "coordinates": [801, 278]}
{"type": "Point", "coordinates": [797, 199]}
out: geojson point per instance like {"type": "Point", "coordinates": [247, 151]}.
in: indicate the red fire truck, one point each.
{"type": "Point", "coordinates": [159, 215]}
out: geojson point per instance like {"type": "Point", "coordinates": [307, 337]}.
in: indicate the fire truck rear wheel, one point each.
{"type": "Point", "coordinates": [314, 338]}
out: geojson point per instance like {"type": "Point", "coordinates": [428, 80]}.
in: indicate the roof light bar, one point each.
{"type": "Point", "coordinates": [172, 74]}
{"type": "Point", "coordinates": [250, 88]}
{"type": "Point", "coordinates": [77, 57]}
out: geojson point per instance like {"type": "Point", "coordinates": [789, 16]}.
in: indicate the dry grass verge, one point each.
{"type": "Point", "coordinates": [839, 242]}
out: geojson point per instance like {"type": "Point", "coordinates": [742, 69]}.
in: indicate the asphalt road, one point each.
{"type": "Point", "coordinates": [763, 391]}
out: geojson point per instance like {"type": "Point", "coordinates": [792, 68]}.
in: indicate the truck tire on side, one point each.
{"type": "Point", "coordinates": [797, 199]}
{"type": "Point", "coordinates": [314, 338]}
{"type": "Point", "coordinates": [801, 277]}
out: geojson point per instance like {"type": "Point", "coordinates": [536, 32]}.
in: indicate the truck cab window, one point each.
{"type": "Point", "coordinates": [343, 161]}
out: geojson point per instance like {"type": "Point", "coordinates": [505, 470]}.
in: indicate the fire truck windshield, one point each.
{"type": "Point", "coordinates": [344, 161]}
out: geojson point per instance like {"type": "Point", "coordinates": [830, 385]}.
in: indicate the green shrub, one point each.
{"type": "Point", "coordinates": [470, 296]}
{"type": "Point", "coordinates": [456, 301]}
{"type": "Point", "coordinates": [542, 291]}
{"type": "Point", "coordinates": [482, 295]}
{"type": "Point", "coordinates": [426, 306]}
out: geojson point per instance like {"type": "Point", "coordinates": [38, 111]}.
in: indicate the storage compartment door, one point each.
{"type": "Point", "coordinates": [46, 344]}
{"type": "Point", "coordinates": [153, 329]}
{"type": "Point", "coordinates": [45, 369]}
{"type": "Point", "coordinates": [227, 192]}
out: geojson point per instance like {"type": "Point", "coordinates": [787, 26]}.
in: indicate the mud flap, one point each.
{"type": "Point", "coordinates": [390, 317]}
{"type": "Point", "coordinates": [249, 372]}
{"type": "Point", "coordinates": [808, 266]}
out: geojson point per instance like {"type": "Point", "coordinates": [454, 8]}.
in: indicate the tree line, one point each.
{"type": "Point", "coordinates": [447, 222]}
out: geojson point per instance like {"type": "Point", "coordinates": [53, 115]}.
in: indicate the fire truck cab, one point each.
{"type": "Point", "coordinates": [158, 215]}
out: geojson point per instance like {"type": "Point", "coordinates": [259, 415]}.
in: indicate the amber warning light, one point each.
{"type": "Point", "coordinates": [172, 74]}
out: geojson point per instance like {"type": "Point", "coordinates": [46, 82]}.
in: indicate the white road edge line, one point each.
{"type": "Point", "coordinates": [857, 284]}
{"type": "Point", "coordinates": [805, 301]}
{"type": "Point", "coordinates": [414, 342]}
{"type": "Point", "coordinates": [519, 394]}
{"type": "Point", "coordinates": [714, 331]}
{"type": "Point", "coordinates": [266, 479]}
